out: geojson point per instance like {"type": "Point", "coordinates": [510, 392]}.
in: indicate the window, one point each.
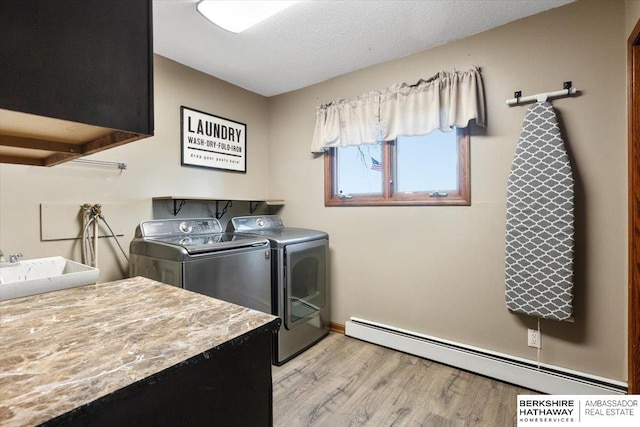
{"type": "Point", "coordinates": [416, 170]}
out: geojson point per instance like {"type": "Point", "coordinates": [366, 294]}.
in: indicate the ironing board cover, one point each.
{"type": "Point", "coordinates": [539, 228]}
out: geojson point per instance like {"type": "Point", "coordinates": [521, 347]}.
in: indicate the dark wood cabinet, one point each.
{"type": "Point", "coordinates": [76, 77]}
{"type": "Point", "coordinates": [228, 386]}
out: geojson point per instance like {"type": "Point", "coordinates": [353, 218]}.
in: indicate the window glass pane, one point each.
{"type": "Point", "coordinates": [357, 171]}
{"type": "Point", "coordinates": [427, 163]}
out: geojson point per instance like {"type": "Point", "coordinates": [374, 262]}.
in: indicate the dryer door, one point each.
{"type": "Point", "coordinates": [306, 281]}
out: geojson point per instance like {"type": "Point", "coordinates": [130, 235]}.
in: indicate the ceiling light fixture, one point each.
{"type": "Point", "coordinates": [237, 16]}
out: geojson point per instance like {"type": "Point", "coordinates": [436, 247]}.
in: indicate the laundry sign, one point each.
{"type": "Point", "coordinates": [212, 142]}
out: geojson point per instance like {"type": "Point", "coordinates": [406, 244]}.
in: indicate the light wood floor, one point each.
{"type": "Point", "coordinates": [344, 382]}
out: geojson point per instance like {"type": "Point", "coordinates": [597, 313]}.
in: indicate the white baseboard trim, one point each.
{"type": "Point", "coordinates": [522, 372]}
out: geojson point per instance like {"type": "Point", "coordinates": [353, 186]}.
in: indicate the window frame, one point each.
{"type": "Point", "coordinates": [388, 198]}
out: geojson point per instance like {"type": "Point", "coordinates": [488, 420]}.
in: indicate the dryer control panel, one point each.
{"type": "Point", "coordinates": [253, 223]}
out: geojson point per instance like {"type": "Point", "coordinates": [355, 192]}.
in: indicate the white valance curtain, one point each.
{"type": "Point", "coordinates": [446, 100]}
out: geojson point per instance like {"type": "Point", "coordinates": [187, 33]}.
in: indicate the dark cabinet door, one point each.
{"type": "Point", "coordinates": [87, 61]}
{"type": "Point", "coordinates": [227, 386]}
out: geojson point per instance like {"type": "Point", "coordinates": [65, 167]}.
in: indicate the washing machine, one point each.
{"type": "Point", "coordinates": [197, 255]}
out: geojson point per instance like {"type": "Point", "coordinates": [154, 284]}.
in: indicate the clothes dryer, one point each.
{"type": "Point", "coordinates": [299, 283]}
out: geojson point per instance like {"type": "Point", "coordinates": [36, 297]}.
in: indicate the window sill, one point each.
{"type": "Point", "coordinates": [449, 201]}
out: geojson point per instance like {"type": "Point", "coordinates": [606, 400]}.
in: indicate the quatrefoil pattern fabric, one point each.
{"type": "Point", "coordinates": [540, 220]}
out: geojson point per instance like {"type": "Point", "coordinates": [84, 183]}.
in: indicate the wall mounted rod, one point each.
{"type": "Point", "coordinates": [542, 96]}
{"type": "Point", "coordinates": [119, 165]}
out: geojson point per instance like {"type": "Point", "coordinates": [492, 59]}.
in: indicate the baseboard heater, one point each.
{"type": "Point", "coordinates": [522, 372]}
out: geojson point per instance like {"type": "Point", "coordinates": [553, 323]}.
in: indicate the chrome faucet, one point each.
{"type": "Point", "coordinates": [14, 257]}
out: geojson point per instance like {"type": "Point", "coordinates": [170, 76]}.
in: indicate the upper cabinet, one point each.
{"type": "Point", "coordinates": [76, 78]}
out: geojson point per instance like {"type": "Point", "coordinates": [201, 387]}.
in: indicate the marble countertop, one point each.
{"type": "Point", "coordinates": [65, 349]}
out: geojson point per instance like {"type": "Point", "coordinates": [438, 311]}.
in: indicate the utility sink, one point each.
{"type": "Point", "coordinates": [41, 275]}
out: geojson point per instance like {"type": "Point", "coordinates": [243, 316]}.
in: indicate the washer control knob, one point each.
{"type": "Point", "coordinates": [185, 227]}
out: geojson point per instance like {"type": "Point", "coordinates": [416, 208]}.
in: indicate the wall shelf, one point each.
{"type": "Point", "coordinates": [179, 202]}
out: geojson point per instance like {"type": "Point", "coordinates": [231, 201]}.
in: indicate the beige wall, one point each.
{"type": "Point", "coordinates": [633, 14]}
{"type": "Point", "coordinates": [440, 270]}
{"type": "Point", "coordinates": [153, 169]}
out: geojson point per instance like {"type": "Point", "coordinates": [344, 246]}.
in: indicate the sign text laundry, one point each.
{"type": "Point", "coordinates": [212, 141]}
{"type": "Point", "coordinates": [216, 130]}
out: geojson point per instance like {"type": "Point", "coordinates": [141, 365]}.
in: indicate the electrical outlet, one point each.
{"type": "Point", "coordinates": [533, 338]}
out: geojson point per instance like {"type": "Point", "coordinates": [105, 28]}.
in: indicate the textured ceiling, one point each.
{"type": "Point", "coordinates": [313, 41]}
